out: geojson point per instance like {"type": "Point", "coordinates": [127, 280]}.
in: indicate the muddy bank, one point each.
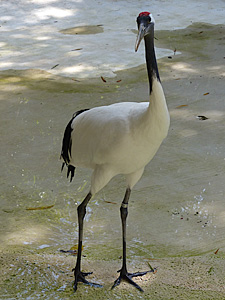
{"type": "Point", "coordinates": [176, 216]}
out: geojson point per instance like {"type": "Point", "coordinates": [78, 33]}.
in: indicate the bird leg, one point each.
{"type": "Point", "coordinates": [124, 275]}
{"type": "Point", "coordinates": [80, 276]}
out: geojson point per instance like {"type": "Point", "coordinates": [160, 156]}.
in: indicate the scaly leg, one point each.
{"type": "Point", "coordinates": [80, 276]}
{"type": "Point", "coordinates": [124, 275]}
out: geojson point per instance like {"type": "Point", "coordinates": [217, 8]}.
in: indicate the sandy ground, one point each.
{"type": "Point", "coordinates": [189, 247]}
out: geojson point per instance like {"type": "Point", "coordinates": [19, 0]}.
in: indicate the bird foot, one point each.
{"type": "Point", "coordinates": [80, 277]}
{"type": "Point", "coordinates": [128, 277]}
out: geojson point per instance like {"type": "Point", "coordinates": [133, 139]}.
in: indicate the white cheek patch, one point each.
{"type": "Point", "coordinates": [152, 18]}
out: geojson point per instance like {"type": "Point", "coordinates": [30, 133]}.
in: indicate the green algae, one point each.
{"type": "Point", "coordinates": [195, 40]}
{"type": "Point", "coordinates": [45, 81]}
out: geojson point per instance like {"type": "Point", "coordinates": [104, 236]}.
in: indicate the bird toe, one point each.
{"type": "Point", "coordinates": [80, 277]}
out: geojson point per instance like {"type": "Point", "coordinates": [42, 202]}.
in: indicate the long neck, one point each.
{"type": "Point", "coordinates": [157, 113]}
{"type": "Point", "coordinates": [151, 59]}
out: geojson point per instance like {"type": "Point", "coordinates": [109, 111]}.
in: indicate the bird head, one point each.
{"type": "Point", "coordinates": [145, 23]}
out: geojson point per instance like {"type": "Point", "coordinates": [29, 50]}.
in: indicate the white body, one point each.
{"type": "Point", "coordinates": [120, 138]}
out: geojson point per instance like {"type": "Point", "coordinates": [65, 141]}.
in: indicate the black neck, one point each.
{"type": "Point", "coordinates": [151, 59]}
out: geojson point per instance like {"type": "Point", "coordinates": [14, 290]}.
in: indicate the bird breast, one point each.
{"type": "Point", "coordinates": [119, 135]}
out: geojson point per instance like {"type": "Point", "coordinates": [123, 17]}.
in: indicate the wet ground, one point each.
{"type": "Point", "coordinates": [176, 214]}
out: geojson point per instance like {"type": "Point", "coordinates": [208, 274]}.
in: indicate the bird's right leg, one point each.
{"type": "Point", "coordinates": [80, 276]}
{"type": "Point", "coordinates": [124, 275]}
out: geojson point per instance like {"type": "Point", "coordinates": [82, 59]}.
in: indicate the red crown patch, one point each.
{"type": "Point", "coordinates": [144, 13]}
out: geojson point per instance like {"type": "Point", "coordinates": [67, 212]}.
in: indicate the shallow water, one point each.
{"type": "Point", "coordinates": [176, 212]}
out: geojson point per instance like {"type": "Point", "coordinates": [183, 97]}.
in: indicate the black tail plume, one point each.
{"type": "Point", "coordinates": [67, 145]}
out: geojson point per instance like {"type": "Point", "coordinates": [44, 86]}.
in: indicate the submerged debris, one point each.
{"type": "Point", "coordinates": [202, 118]}
{"type": "Point", "coordinates": [103, 79]}
{"type": "Point", "coordinates": [182, 105]}
{"type": "Point", "coordinates": [54, 66]}
{"type": "Point", "coordinates": [73, 250]}
{"type": "Point", "coordinates": [40, 207]}
{"type": "Point", "coordinates": [216, 251]}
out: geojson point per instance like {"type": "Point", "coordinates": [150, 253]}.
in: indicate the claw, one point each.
{"type": "Point", "coordinates": [80, 277]}
{"type": "Point", "coordinates": [128, 277]}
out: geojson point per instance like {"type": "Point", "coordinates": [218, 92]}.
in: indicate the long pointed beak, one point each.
{"type": "Point", "coordinates": [141, 34]}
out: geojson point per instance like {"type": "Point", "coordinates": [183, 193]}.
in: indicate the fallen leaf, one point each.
{"type": "Point", "coordinates": [103, 79]}
{"type": "Point", "coordinates": [217, 251]}
{"type": "Point", "coordinates": [110, 202]}
{"type": "Point", "coordinates": [182, 105]}
{"type": "Point", "coordinates": [40, 207]}
{"type": "Point", "coordinates": [77, 49]}
{"type": "Point", "coordinates": [75, 247]}
{"type": "Point", "coordinates": [119, 80]}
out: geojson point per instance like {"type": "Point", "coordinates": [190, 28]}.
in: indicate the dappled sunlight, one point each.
{"type": "Point", "coordinates": [219, 70]}
{"type": "Point", "coordinates": [43, 38]}
{"type": "Point", "coordinates": [72, 54]}
{"type": "Point", "coordinates": [51, 11]}
{"type": "Point", "coordinates": [6, 65]}
{"type": "Point", "coordinates": [27, 235]}
{"type": "Point", "coordinates": [48, 1]}
{"type": "Point", "coordinates": [33, 40]}
{"type": "Point", "coordinates": [77, 69]}
{"type": "Point", "coordinates": [85, 70]}
{"type": "Point", "coordinates": [42, 1]}
{"type": "Point", "coordinates": [5, 18]}
{"type": "Point", "coordinates": [3, 44]}
{"type": "Point", "coordinates": [19, 36]}
{"type": "Point", "coordinates": [9, 88]}
{"type": "Point", "coordinates": [184, 67]}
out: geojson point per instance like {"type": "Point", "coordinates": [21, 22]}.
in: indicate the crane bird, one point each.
{"type": "Point", "coordinates": [120, 138]}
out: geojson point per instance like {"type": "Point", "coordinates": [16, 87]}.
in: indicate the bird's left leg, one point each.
{"type": "Point", "coordinates": [124, 275]}
{"type": "Point", "coordinates": [80, 276]}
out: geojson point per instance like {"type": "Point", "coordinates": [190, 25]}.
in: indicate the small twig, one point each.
{"type": "Point", "coordinates": [153, 270]}
{"type": "Point", "coordinates": [55, 66]}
